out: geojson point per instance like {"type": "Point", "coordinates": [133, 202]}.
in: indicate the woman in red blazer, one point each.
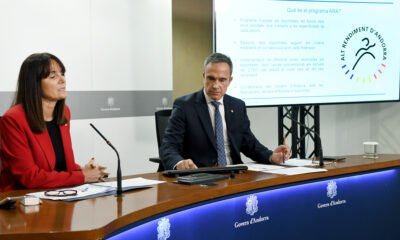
{"type": "Point", "coordinates": [35, 142]}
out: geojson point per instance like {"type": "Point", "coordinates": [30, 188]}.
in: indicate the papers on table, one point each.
{"type": "Point", "coordinates": [296, 170]}
{"type": "Point", "coordinates": [295, 162]}
{"type": "Point", "coordinates": [83, 192]}
{"type": "Point", "coordinates": [261, 167]}
{"type": "Point", "coordinates": [86, 191]}
{"type": "Point", "coordinates": [128, 184]}
{"type": "Point", "coordinates": [285, 169]}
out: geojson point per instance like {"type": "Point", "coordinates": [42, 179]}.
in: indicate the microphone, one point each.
{"type": "Point", "coordinates": [119, 177]}
{"type": "Point", "coordinates": [321, 157]}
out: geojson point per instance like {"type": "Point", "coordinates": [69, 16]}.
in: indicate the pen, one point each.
{"type": "Point", "coordinates": [283, 154]}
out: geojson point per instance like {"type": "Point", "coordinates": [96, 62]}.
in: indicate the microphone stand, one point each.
{"type": "Point", "coordinates": [321, 156]}
{"type": "Point", "coordinates": [119, 176]}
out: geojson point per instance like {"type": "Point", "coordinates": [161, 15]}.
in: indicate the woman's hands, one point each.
{"type": "Point", "coordinates": [94, 172]}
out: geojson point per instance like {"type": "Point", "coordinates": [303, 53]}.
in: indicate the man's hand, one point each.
{"type": "Point", "coordinates": [281, 154]}
{"type": "Point", "coordinates": [185, 164]}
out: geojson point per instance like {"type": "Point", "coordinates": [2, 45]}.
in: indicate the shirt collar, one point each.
{"type": "Point", "coordinates": [209, 100]}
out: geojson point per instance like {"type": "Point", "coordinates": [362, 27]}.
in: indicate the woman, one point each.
{"type": "Point", "coordinates": [35, 142]}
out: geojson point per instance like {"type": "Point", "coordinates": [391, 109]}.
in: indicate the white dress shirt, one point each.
{"type": "Point", "coordinates": [211, 110]}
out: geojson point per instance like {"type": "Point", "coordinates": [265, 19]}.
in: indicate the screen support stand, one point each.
{"type": "Point", "coordinates": [287, 127]}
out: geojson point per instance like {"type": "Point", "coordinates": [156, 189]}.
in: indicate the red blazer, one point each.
{"type": "Point", "coordinates": [28, 159]}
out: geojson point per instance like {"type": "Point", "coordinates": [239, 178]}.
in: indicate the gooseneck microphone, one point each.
{"type": "Point", "coordinates": [321, 156]}
{"type": "Point", "coordinates": [119, 177]}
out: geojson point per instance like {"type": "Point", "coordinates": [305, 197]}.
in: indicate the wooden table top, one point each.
{"type": "Point", "coordinates": [98, 217]}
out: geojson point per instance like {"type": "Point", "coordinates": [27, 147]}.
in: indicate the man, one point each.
{"type": "Point", "coordinates": [209, 128]}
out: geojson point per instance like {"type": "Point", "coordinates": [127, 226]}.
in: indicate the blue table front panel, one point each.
{"type": "Point", "coordinates": [362, 206]}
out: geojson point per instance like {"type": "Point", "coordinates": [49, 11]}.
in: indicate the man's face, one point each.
{"type": "Point", "coordinates": [216, 79]}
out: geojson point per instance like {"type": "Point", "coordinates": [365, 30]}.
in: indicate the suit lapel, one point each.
{"type": "Point", "coordinates": [204, 115]}
{"type": "Point", "coordinates": [66, 140]}
{"type": "Point", "coordinates": [47, 148]}
{"type": "Point", "coordinates": [228, 111]}
{"type": "Point", "coordinates": [229, 114]}
{"type": "Point", "coordinates": [229, 119]}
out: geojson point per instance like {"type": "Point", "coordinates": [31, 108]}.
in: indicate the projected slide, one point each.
{"type": "Point", "coordinates": [304, 52]}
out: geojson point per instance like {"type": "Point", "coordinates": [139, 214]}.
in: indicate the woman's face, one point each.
{"type": "Point", "coordinates": [54, 87]}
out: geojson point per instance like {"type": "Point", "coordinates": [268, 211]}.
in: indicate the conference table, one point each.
{"type": "Point", "coordinates": [357, 198]}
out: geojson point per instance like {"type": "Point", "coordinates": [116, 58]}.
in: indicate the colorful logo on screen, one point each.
{"type": "Point", "coordinates": [363, 55]}
{"type": "Point", "coordinates": [163, 229]}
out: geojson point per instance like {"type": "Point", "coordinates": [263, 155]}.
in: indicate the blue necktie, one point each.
{"type": "Point", "coordinates": [219, 135]}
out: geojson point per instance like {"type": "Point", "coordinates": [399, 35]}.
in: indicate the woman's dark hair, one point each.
{"type": "Point", "coordinates": [29, 90]}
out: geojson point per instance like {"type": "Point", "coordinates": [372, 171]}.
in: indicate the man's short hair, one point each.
{"type": "Point", "coordinates": [219, 58]}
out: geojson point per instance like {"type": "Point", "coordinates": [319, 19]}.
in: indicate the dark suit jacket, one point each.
{"type": "Point", "coordinates": [189, 133]}
{"type": "Point", "coordinates": [28, 158]}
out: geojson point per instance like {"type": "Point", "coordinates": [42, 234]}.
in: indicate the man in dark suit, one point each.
{"type": "Point", "coordinates": [193, 137]}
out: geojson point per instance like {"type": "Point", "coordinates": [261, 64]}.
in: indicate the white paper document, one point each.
{"type": "Point", "coordinates": [296, 170]}
{"type": "Point", "coordinates": [261, 167]}
{"type": "Point", "coordinates": [295, 162]}
{"type": "Point", "coordinates": [86, 191]}
{"type": "Point", "coordinates": [82, 192]}
{"type": "Point", "coordinates": [131, 183]}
